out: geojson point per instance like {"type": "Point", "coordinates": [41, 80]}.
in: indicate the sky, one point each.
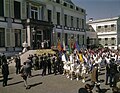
{"type": "Point", "coordinates": [98, 9]}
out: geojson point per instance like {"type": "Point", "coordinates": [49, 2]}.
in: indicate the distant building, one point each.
{"type": "Point", "coordinates": [108, 31]}
{"type": "Point", "coordinates": [91, 37]}
{"type": "Point", "coordinates": [40, 20]}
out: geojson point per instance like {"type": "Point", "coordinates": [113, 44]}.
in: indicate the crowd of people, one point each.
{"type": "Point", "coordinates": [76, 64]}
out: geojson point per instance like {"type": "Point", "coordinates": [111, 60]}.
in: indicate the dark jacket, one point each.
{"type": "Point", "coordinates": [5, 69]}
{"type": "Point", "coordinates": [108, 69]}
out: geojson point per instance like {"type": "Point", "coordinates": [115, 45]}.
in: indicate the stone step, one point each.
{"type": "Point", "coordinates": [42, 51]}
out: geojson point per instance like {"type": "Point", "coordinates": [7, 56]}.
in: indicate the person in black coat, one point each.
{"type": "Point", "coordinates": [41, 61]}
{"type": "Point", "coordinates": [3, 59]}
{"type": "Point", "coordinates": [54, 59]}
{"type": "Point", "coordinates": [49, 64]}
{"type": "Point", "coordinates": [44, 65]}
{"type": "Point", "coordinates": [113, 71]}
{"type": "Point", "coordinates": [107, 73]}
{"type": "Point", "coordinates": [5, 73]}
{"type": "Point", "coordinates": [18, 64]}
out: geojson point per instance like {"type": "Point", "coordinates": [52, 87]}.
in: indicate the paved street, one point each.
{"type": "Point", "coordinates": [47, 84]}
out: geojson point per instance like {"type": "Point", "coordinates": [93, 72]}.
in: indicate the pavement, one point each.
{"type": "Point", "coordinates": [48, 84]}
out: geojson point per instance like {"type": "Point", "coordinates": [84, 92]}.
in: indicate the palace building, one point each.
{"type": "Point", "coordinates": [40, 20]}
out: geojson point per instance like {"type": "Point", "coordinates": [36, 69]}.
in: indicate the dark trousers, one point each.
{"type": "Point", "coordinates": [17, 70]}
{"type": "Point", "coordinates": [55, 69]}
{"type": "Point", "coordinates": [49, 69]}
{"type": "Point", "coordinates": [61, 68]}
{"type": "Point", "coordinates": [5, 79]}
{"type": "Point", "coordinates": [29, 71]}
{"type": "Point", "coordinates": [44, 71]}
{"type": "Point", "coordinates": [111, 79]}
{"type": "Point", "coordinates": [107, 77]}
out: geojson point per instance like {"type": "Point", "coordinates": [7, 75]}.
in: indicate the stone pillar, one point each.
{"type": "Point", "coordinates": [28, 36]}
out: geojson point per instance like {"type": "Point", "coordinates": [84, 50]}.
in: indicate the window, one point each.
{"type": "Point", "coordinates": [66, 38]}
{"type": "Point", "coordinates": [113, 27]}
{"type": "Point", "coordinates": [113, 41]}
{"type": "Point", "coordinates": [99, 27]}
{"type": "Point", "coordinates": [2, 37]}
{"type": "Point", "coordinates": [49, 16]}
{"type": "Point", "coordinates": [106, 26]}
{"type": "Point", "coordinates": [106, 41]}
{"type": "Point", "coordinates": [106, 38]}
{"type": "Point", "coordinates": [77, 8]}
{"type": "Point", "coordinates": [58, 18]}
{"type": "Point", "coordinates": [82, 10]}
{"type": "Point", "coordinates": [17, 10]}
{"type": "Point", "coordinates": [106, 44]}
{"type": "Point", "coordinates": [77, 22]}
{"type": "Point", "coordinates": [59, 35]}
{"type": "Point", "coordinates": [34, 12]}
{"type": "Point", "coordinates": [83, 39]}
{"type": "Point", "coordinates": [71, 6]}
{"type": "Point", "coordinates": [82, 23]}
{"type": "Point", "coordinates": [65, 4]}
{"type": "Point", "coordinates": [57, 1]}
{"type": "Point", "coordinates": [99, 40]}
{"type": "Point", "coordinates": [71, 21]}
{"type": "Point", "coordinates": [65, 19]}
{"type": "Point", "coordinates": [17, 37]}
{"type": "Point", "coordinates": [1, 7]}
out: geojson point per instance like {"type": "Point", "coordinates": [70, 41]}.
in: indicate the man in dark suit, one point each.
{"type": "Point", "coordinates": [107, 73]}
{"type": "Point", "coordinates": [44, 65]}
{"type": "Point", "coordinates": [18, 64]}
{"type": "Point", "coordinates": [49, 64]}
{"type": "Point", "coordinates": [113, 71]}
{"type": "Point", "coordinates": [5, 73]}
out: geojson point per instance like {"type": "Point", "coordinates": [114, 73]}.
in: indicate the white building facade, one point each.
{"type": "Point", "coordinates": [108, 31]}
{"type": "Point", "coordinates": [40, 20]}
{"type": "Point", "coordinates": [69, 21]}
{"type": "Point", "coordinates": [12, 33]}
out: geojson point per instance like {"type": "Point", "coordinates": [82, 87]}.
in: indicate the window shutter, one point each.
{"type": "Point", "coordinates": [23, 32]}
{"type": "Point", "coordinates": [12, 8]}
{"type": "Point", "coordinates": [7, 38]}
{"type": "Point", "coordinates": [7, 8]}
{"type": "Point", "coordinates": [23, 10]}
{"type": "Point", "coordinates": [12, 38]}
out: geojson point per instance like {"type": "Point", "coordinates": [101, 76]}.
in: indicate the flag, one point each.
{"type": "Point", "coordinates": [59, 46]}
{"type": "Point", "coordinates": [80, 57]}
{"type": "Point", "coordinates": [76, 46]}
{"type": "Point", "coordinates": [64, 47]}
{"type": "Point", "coordinates": [69, 49]}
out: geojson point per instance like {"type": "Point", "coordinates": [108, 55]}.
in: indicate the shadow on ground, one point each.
{"type": "Point", "coordinates": [8, 79]}
{"type": "Point", "coordinates": [15, 83]}
{"type": "Point", "coordinates": [35, 84]}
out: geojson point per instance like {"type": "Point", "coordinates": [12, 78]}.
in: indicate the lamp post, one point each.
{"type": "Point", "coordinates": [33, 41]}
